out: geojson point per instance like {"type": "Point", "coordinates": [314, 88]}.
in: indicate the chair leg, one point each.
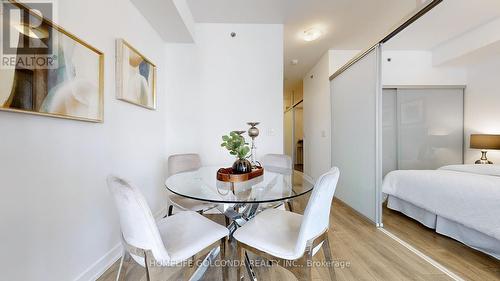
{"type": "Point", "coordinates": [147, 268]}
{"type": "Point", "coordinates": [328, 257]}
{"type": "Point", "coordinates": [122, 269]}
{"type": "Point", "coordinates": [307, 271]}
{"type": "Point", "coordinates": [170, 210]}
{"type": "Point", "coordinates": [190, 268]}
{"type": "Point", "coordinates": [224, 268]}
{"type": "Point", "coordinates": [303, 271]}
{"type": "Point", "coordinates": [241, 258]}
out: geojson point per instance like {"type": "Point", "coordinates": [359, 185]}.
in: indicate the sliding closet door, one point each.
{"type": "Point", "coordinates": [430, 128]}
{"type": "Point", "coordinates": [355, 98]}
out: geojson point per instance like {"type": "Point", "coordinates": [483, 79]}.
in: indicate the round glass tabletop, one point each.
{"type": "Point", "coordinates": [275, 185]}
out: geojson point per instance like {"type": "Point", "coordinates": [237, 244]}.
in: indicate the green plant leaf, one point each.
{"type": "Point", "coordinates": [236, 145]}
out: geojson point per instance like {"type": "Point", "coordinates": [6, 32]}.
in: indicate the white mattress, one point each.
{"type": "Point", "coordinates": [466, 194]}
{"type": "Point", "coordinates": [450, 228]}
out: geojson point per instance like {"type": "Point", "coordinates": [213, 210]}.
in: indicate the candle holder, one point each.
{"type": "Point", "coordinates": [253, 132]}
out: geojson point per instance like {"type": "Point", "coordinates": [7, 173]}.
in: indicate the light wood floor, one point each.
{"type": "Point", "coordinates": [366, 253]}
{"type": "Point", "coordinates": [466, 262]}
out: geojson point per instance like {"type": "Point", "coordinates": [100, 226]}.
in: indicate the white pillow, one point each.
{"type": "Point", "coordinates": [481, 169]}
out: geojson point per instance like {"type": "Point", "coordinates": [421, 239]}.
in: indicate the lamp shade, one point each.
{"type": "Point", "coordinates": [481, 141]}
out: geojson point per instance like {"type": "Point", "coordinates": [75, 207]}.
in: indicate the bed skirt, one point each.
{"type": "Point", "coordinates": [452, 229]}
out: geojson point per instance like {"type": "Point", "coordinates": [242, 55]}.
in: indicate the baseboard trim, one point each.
{"type": "Point", "coordinates": [365, 218]}
{"type": "Point", "coordinates": [101, 265]}
{"type": "Point", "coordinates": [105, 262]}
{"type": "Point", "coordinates": [422, 255]}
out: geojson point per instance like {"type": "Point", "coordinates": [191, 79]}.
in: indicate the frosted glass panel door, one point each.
{"type": "Point", "coordinates": [389, 131]}
{"type": "Point", "coordinates": [355, 108]}
{"type": "Point", "coordinates": [430, 128]}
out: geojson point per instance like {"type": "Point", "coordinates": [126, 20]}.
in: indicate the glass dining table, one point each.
{"type": "Point", "coordinates": [240, 201]}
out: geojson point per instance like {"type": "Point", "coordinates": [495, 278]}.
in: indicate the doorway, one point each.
{"type": "Point", "coordinates": [294, 129]}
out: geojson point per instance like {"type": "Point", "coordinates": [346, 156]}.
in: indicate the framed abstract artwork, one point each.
{"type": "Point", "coordinates": [45, 69]}
{"type": "Point", "coordinates": [135, 76]}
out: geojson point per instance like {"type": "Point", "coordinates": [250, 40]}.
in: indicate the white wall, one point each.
{"type": "Point", "coordinates": [241, 80]}
{"type": "Point", "coordinates": [183, 90]}
{"type": "Point", "coordinates": [57, 216]}
{"type": "Point", "coordinates": [220, 83]}
{"type": "Point", "coordinates": [339, 58]}
{"type": "Point", "coordinates": [317, 119]}
{"type": "Point", "coordinates": [416, 68]}
{"type": "Point", "coordinates": [482, 103]}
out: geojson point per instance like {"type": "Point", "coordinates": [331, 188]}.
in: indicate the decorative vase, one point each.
{"type": "Point", "coordinates": [242, 166]}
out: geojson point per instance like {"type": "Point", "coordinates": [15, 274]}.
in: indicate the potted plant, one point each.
{"type": "Point", "coordinates": [238, 147]}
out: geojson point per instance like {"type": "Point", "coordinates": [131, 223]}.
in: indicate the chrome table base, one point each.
{"type": "Point", "coordinates": [237, 215]}
{"type": "Point", "coordinates": [200, 271]}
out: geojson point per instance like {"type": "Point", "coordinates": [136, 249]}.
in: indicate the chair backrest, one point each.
{"type": "Point", "coordinates": [179, 163]}
{"type": "Point", "coordinates": [137, 224]}
{"type": "Point", "coordinates": [316, 217]}
{"type": "Point", "coordinates": [277, 161]}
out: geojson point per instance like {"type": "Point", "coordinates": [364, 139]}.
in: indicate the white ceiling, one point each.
{"type": "Point", "coordinates": [239, 11]}
{"type": "Point", "coordinates": [165, 19]}
{"type": "Point", "coordinates": [448, 20]}
{"type": "Point", "coordinates": [347, 24]}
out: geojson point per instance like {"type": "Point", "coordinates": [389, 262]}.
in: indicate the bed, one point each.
{"type": "Point", "coordinates": [459, 201]}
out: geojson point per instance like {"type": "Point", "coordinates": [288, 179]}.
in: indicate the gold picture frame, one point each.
{"type": "Point", "coordinates": [135, 76]}
{"type": "Point", "coordinates": [75, 92]}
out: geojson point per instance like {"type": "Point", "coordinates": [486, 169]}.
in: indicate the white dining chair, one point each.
{"type": "Point", "coordinates": [167, 242]}
{"type": "Point", "coordinates": [280, 163]}
{"type": "Point", "coordinates": [179, 163]}
{"type": "Point", "coordinates": [285, 236]}
{"type": "Point", "coordinates": [276, 160]}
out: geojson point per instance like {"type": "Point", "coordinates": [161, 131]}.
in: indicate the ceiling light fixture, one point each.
{"type": "Point", "coordinates": [312, 34]}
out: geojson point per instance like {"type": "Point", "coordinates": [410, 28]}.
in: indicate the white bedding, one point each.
{"type": "Point", "coordinates": [467, 194]}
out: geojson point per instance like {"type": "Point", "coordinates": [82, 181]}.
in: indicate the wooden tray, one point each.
{"type": "Point", "coordinates": [227, 175]}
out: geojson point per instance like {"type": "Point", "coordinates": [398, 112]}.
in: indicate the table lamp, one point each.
{"type": "Point", "coordinates": [484, 142]}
